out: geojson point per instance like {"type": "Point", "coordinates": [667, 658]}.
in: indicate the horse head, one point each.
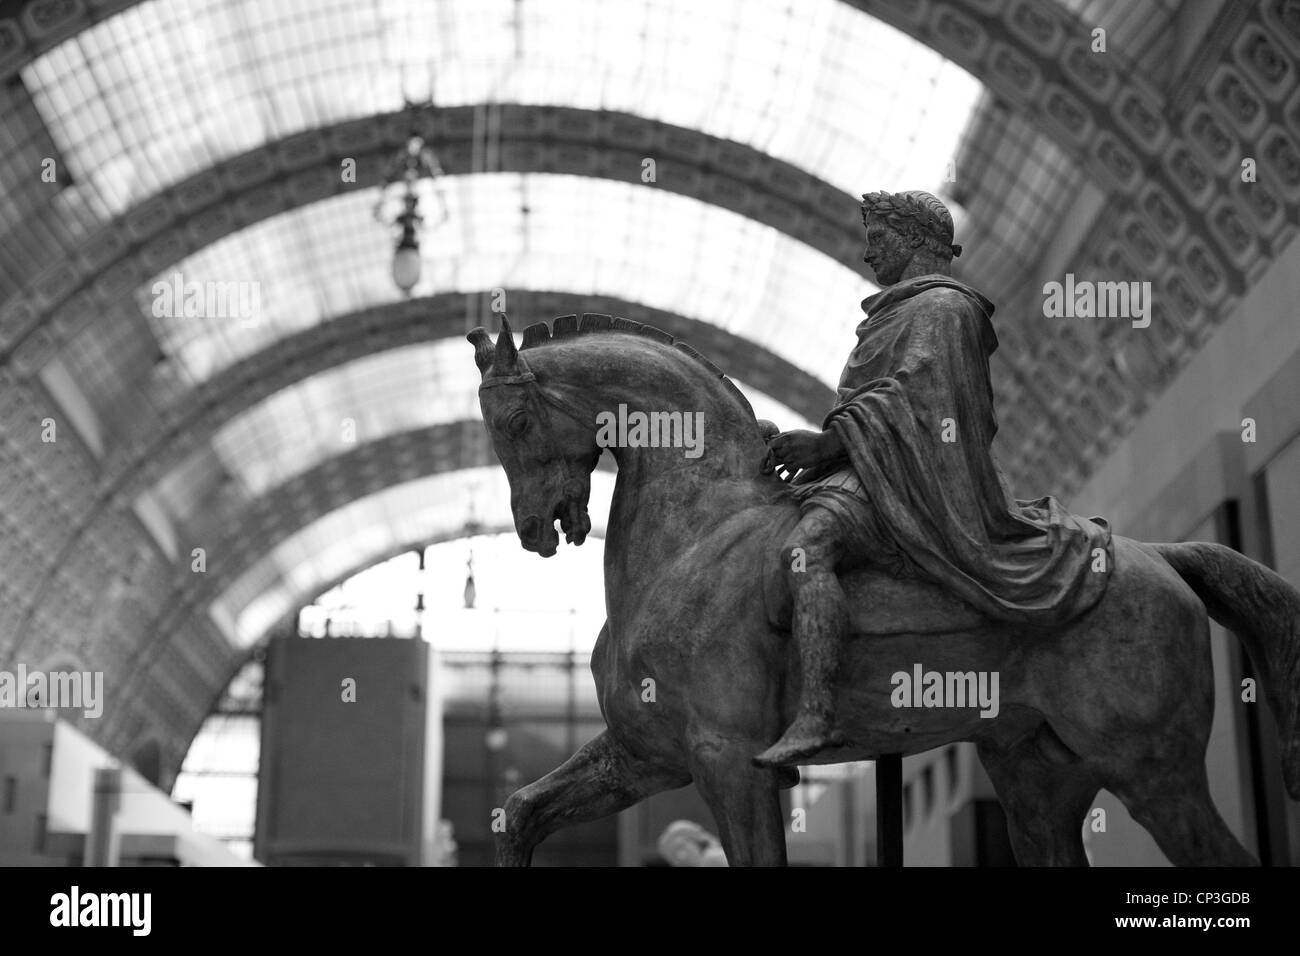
{"type": "Point", "coordinates": [547, 450]}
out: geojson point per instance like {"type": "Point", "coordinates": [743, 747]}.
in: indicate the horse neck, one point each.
{"type": "Point", "coordinates": [659, 491]}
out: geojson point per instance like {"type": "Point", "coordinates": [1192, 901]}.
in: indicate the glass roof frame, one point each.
{"type": "Point", "coordinates": [161, 90]}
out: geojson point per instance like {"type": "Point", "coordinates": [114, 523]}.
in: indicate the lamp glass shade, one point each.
{"type": "Point", "coordinates": [406, 267]}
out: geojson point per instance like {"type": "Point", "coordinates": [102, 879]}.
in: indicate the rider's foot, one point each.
{"type": "Point", "coordinates": [805, 737]}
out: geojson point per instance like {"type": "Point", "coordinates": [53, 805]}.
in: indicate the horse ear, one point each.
{"type": "Point", "coordinates": [483, 350]}
{"type": "Point", "coordinates": [506, 355]}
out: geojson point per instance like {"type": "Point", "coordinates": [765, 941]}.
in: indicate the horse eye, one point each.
{"type": "Point", "coordinates": [517, 423]}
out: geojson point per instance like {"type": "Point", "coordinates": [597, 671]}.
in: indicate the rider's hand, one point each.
{"type": "Point", "coordinates": [792, 451]}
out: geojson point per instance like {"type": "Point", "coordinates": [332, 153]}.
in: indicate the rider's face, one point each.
{"type": "Point", "coordinates": [888, 253]}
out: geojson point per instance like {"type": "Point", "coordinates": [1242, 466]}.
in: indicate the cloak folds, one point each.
{"type": "Point", "coordinates": [941, 509]}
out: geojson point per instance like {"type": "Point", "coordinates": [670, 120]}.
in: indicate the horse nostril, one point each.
{"type": "Point", "coordinates": [531, 528]}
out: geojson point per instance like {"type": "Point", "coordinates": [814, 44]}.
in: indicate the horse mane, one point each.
{"type": "Point", "coordinates": [568, 326]}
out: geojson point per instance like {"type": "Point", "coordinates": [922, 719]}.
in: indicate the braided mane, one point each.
{"type": "Point", "coordinates": [568, 326]}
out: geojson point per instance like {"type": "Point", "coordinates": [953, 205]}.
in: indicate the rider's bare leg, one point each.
{"type": "Point", "coordinates": [812, 553]}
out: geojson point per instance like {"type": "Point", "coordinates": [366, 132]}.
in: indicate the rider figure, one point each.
{"type": "Point", "coordinates": [902, 476]}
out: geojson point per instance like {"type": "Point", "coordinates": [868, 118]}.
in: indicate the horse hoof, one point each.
{"type": "Point", "coordinates": [786, 754]}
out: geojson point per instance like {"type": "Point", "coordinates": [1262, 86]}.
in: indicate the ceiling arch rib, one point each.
{"type": "Point", "coordinates": [546, 55]}
{"type": "Point", "coordinates": [1034, 55]}
{"type": "Point", "coordinates": [1028, 54]}
{"type": "Point", "coordinates": [246, 540]}
{"type": "Point", "coordinates": [176, 441]}
{"type": "Point", "coordinates": [366, 401]}
{"type": "Point", "coordinates": [394, 327]}
{"type": "Point", "coordinates": [242, 537]}
{"type": "Point", "coordinates": [1037, 56]}
{"type": "Point", "coordinates": [801, 283]}
{"type": "Point", "coordinates": [321, 480]}
{"type": "Point", "coordinates": [597, 236]}
{"type": "Point", "coordinates": [287, 176]}
{"type": "Point", "coordinates": [249, 189]}
{"type": "Point", "coordinates": [247, 76]}
{"type": "Point", "coordinates": [1112, 233]}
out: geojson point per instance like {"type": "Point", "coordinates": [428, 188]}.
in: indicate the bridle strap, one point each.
{"type": "Point", "coordinates": [525, 376]}
{"type": "Point", "coordinates": [510, 380]}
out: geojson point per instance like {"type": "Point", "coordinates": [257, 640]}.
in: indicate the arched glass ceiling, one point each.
{"type": "Point", "coordinates": [335, 411]}
{"type": "Point", "coordinates": [582, 235]}
{"type": "Point", "coordinates": [368, 530]}
{"type": "Point", "coordinates": [332, 412]}
{"type": "Point", "coordinates": [166, 88]}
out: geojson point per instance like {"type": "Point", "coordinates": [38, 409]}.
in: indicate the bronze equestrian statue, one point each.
{"type": "Point", "coordinates": [755, 622]}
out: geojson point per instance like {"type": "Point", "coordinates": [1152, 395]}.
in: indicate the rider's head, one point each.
{"type": "Point", "coordinates": [909, 228]}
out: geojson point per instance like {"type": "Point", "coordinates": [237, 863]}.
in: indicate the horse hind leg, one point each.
{"type": "Point", "coordinates": [1176, 809]}
{"type": "Point", "coordinates": [1156, 767]}
{"type": "Point", "coordinates": [1045, 791]}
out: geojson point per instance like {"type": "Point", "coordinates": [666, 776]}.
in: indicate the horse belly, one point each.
{"type": "Point", "coordinates": [880, 604]}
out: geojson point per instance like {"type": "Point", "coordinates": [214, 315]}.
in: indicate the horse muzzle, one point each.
{"type": "Point", "coordinates": [539, 535]}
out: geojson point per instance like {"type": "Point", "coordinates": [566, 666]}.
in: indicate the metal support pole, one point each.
{"type": "Point", "coordinates": [104, 841]}
{"type": "Point", "coordinates": [889, 810]}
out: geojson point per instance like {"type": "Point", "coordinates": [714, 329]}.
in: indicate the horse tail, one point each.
{"type": "Point", "coordinates": [1263, 609]}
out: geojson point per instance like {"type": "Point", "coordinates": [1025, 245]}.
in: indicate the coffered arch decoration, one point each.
{"type": "Point", "coordinates": [1176, 209]}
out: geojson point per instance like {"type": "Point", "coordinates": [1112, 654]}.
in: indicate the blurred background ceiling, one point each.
{"type": "Point", "coordinates": [337, 425]}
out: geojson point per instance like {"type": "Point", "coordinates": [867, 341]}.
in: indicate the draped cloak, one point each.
{"type": "Point", "coordinates": [921, 506]}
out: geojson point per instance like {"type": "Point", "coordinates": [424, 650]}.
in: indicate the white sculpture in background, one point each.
{"type": "Point", "coordinates": [684, 843]}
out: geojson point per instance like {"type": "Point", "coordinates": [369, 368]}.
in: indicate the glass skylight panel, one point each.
{"type": "Point", "coordinates": [597, 237]}
{"type": "Point", "coordinates": [162, 90]}
{"type": "Point", "coordinates": [333, 412]}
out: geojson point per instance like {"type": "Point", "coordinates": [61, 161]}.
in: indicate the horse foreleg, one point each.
{"type": "Point", "coordinates": [600, 779]}
{"type": "Point", "coordinates": [1045, 792]}
{"type": "Point", "coordinates": [744, 799]}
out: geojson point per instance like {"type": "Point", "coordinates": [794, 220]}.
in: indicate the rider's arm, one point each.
{"type": "Point", "coordinates": [833, 448]}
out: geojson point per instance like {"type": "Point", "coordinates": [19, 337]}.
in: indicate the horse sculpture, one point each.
{"type": "Point", "coordinates": [1122, 697]}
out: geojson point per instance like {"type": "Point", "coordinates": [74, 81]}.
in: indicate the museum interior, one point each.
{"type": "Point", "coordinates": [255, 544]}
